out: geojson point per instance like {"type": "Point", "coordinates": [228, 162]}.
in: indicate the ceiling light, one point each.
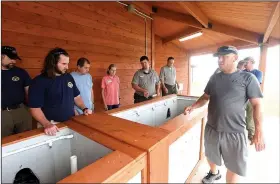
{"type": "Point", "coordinates": [190, 36]}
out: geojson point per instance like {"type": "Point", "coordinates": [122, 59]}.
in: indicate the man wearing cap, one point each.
{"type": "Point", "coordinates": [249, 67]}
{"type": "Point", "coordinates": [53, 93]}
{"type": "Point", "coordinates": [227, 93]}
{"type": "Point", "coordinates": [145, 82]}
{"type": "Point", "coordinates": [15, 83]}
{"type": "Point", "coordinates": [168, 78]}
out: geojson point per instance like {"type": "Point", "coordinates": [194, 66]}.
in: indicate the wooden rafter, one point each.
{"type": "Point", "coordinates": [195, 11]}
{"type": "Point", "coordinates": [234, 32]}
{"type": "Point", "coordinates": [237, 43]}
{"type": "Point", "coordinates": [188, 31]}
{"type": "Point", "coordinates": [178, 17]}
{"type": "Point", "coordinates": [272, 22]}
{"type": "Point", "coordinates": [213, 48]}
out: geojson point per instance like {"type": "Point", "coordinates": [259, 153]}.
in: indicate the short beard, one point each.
{"type": "Point", "coordinates": [59, 71]}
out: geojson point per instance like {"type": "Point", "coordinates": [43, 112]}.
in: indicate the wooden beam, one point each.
{"type": "Point", "coordinates": [239, 44]}
{"type": "Point", "coordinates": [234, 32]}
{"type": "Point", "coordinates": [195, 11]}
{"type": "Point", "coordinates": [213, 48]}
{"type": "Point", "coordinates": [262, 64]}
{"type": "Point", "coordinates": [175, 16]}
{"type": "Point", "coordinates": [272, 42]}
{"type": "Point", "coordinates": [188, 31]}
{"type": "Point", "coordinates": [272, 22]}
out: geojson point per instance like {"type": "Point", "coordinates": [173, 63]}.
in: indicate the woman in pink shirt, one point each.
{"type": "Point", "coordinates": [110, 86]}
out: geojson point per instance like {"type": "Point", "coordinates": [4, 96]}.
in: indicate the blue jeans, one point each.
{"type": "Point", "coordinates": [113, 106]}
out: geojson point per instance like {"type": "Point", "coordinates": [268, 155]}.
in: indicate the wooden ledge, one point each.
{"type": "Point", "coordinates": [12, 139]}
{"type": "Point", "coordinates": [141, 136]}
{"type": "Point", "coordinates": [110, 168]}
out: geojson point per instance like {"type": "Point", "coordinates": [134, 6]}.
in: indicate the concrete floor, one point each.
{"type": "Point", "coordinates": [263, 167]}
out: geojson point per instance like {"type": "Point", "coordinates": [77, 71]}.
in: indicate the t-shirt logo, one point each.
{"type": "Point", "coordinates": [109, 81]}
{"type": "Point", "coordinates": [70, 85]}
{"type": "Point", "coordinates": [15, 78]}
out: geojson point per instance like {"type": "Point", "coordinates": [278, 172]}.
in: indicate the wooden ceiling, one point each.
{"type": "Point", "coordinates": [235, 23]}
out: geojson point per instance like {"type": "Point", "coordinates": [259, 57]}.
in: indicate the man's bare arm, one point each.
{"type": "Point", "coordinates": [79, 102]}
{"type": "Point", "coordinates": [38, 115]}
{"type": "Point", "coordinates": [201, 101]}
{"type": "Point", "coordinates": [158, 89]}
{"type": "Point", "coordinates": [257, 113]}
{"type": "Point", "coordinates": [258, 138]}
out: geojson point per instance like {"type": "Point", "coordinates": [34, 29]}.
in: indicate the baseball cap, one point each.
{"type": "Point", "coordinates": [11, 52]}
{"type": "Point", "coordinates": [224, 50]}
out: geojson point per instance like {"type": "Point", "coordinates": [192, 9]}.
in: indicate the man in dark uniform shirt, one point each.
{"type": "Point", "coordinates": [53, 93]}
{"type": "Point", "coordinates": [15, 83]}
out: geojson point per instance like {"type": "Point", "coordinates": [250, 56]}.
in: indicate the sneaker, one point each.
{"type": "Point", "coordinates": [210, 178]}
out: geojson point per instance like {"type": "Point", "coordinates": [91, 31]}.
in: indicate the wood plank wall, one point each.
{"type": "Point", "coordinates": [103, 32]}
{"type": "Point", "coordinates": [163, 51]}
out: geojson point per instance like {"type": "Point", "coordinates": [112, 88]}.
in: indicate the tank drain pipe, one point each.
{"type": "Point", "coordinates": [49, 142]}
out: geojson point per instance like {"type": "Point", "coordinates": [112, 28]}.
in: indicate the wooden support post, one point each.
{"type": "Point", "coordinates": [153, 55]}
{"type": "Point", "coordinates": [189, 75]}
{"type": "Point", "coordinates": [262, 65]}
{"type": "Point", "coordinates": [201, 151]}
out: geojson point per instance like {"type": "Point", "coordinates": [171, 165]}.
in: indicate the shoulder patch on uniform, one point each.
{"type": "Point", "coordinates": [70, 84]}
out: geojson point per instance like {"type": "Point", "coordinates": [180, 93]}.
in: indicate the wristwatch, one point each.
{"type": "Point", "coordinates": [85, 109]}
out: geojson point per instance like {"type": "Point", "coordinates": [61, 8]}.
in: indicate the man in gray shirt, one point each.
{"type": "Point", "coordinates": [228, 93]}
{"type": "Point", "coordinates": [145, 82]}
{"type": "Point", "coordinates": [168, 78]}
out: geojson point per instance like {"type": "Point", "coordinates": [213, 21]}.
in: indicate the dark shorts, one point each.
{"type": "Point", "coordinates": [232, 147]}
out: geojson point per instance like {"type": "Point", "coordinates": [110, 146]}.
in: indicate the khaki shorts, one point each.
{"type": "Point", "coordinates": [15, 121]}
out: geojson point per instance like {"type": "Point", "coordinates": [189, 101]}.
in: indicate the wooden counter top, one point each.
{"type": "Point", "coordinates": [135, 134]}
{"type": "Point", "coordinates": [12, 139]}
{"type": "Point", "coordinates": [106, 167]}
{"type": "Point", "coordinates": [92, 134]}
{"type": "Point", "coordinates": [119, 166]}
